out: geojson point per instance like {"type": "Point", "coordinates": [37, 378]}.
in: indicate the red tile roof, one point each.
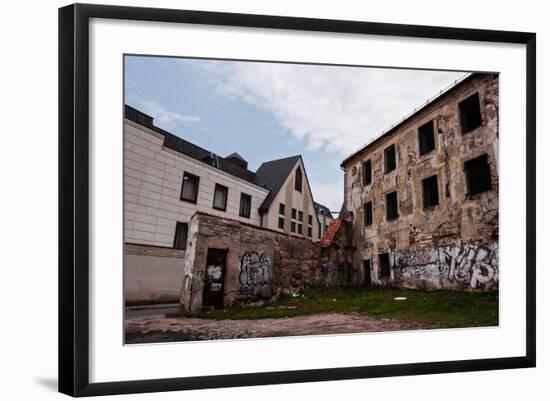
{"type": "Point", "coordinates": [331, 232]}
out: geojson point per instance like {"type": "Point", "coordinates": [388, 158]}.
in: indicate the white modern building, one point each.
{"type": "Point", "coordinates": [168, 179]}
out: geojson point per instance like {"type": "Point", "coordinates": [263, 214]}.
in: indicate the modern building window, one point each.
{"type": "Point", "coordinates": [426, 140]}
{"type": "Point", "coordinates": [367, 173]}
{"type": "Point", "coordinates": [281, 222]}
{"type": "Point", "coordinates": [189, 188]}
{"type": "Point", "coordinates": [384, 260]}
{"type": "Point", "coordinates": [245, 206]}
{"type": "Point", "coordinates": [293, 226]}
{"type": "Point", "coordinates": [298, 180]}
{"type": "Point", "coordinates": [430, 192]}
{"type": "Point", "coordinates": [368, 213]}
{"type": "Point", "coordinates": [180, 239]}
{"type": "Point", "coordinates": [281, 208]}
{"type": "Point", "coordinates": [389, 159]}
{"type": "Point", "coordinates": [309, 232]}
{"type": "Point", "coordinates": [392, 211]}
{"type": "Point", "coordinates": [300, 216]}
{"type": "Point", "coordinates": [220, 197]}
{"type": "Point", "coordinates": [299, 228]}
{"type": "Point", "coordinates": [478, 175]}
{"type": "Point", "coordinates": [309, 219]}
{"type": "Point", "coordinates": [470, 113]}
{"type": "Point", "coordinates": [293, 213]}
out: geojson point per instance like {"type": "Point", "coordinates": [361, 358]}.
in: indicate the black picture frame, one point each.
{"type": "Point", "coordinates": [74, 198]}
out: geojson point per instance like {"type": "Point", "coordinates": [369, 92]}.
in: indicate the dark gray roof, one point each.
{"type": "Point", "coordinates": [321, 209]}
{"type": "Point", "coordinates": [272, 175]}
{"type": "Point", "coordinates": [189, 149]}
{"type": "Point", "coordinates": [235, 155]}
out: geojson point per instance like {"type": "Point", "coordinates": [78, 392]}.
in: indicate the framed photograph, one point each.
{"type": "Point", "coordinates": [252, 199]}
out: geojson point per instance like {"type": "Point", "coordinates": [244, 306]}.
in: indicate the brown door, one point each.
{"type": "Point", "coordinates": [214, 278]}
{"type": "Point", "coordinates": [366, 269]}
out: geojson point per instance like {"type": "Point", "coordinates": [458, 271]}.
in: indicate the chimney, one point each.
{"type": "Point", "coordinates": [237, 159]}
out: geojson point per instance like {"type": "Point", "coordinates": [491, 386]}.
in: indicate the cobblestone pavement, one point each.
{"type": "Point", "coordinates": [161, 329]}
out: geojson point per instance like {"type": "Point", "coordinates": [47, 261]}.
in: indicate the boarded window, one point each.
{"type": "Point", "coordinates": [426, 140]}
{"type": "Point", "coordinates": [384, 260]}
{"type": "Point", "coordinates": [367, 173]}
{"type": "Point", "coordinates": [298, 179]}
{"type": "Point", "coordinates": [281, 208]}
{"type": "Point", "coordinates": [281, 222]}
{"type": "Point", "coordinates": [389, 159]}
{"type": "Point", "coordinates": [430, 191]}
{"type": "Point", "coordinates": [180, 239]}
{"type": "Point", "coordinates": [392, 211]}
{"type": "Point", "coordinates": [293, 213]}
{"type": "Point", "coordinates": [189, 188]}
{"type": "Point", "coordinates": [478, 175]}
{"type": "Point", "coordinates": [245, 206]}
{"type": "Point", "coordinates": [368, 213]}
{"type": "Point", "coordinates": [470, 114]}
{"type": "Point", "coordinates": [220, 197]}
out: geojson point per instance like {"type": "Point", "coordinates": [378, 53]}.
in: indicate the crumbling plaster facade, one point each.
{"type": "Point", "coordinates": [451, 245]}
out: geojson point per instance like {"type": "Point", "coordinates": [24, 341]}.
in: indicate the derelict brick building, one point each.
{"type": "Point", "coordinates": [423, 197]}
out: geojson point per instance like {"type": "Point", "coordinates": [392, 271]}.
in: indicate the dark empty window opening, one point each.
{"type": "Point", "coordinates": [392, 211]}
{"type": "Point", "coordinates": [220, 197]}
{"type": "Point", "coordinates": [368, 213]}
{"type": "Point", "coordinates": [298, 180]}
{"type": "Point", "coordinates": [384, 260]}
{"type": "Point", "coordinates": [470, 114]}
{"type": "Point", "coordinates": [430, 192]}
{"type": "Point", "coordinates": [309, 232]}
{"type": "Point", "coordinates": [245, 206]}
{"type": "Point", "coordinates": [281, 222]}
{"type": "Point", "coordinates": [478, 175]}
{"type": "Point", "coordinates": [189, 188]}
{"type": "Point", "coordinates": [367, 173]}
{"type": "Point", "coordinates": [300, 216]}
{"type": "Point", "coordinates": [299, 228]}
{"type": "Point", "coordinates": [389, 159]}
{"type": "Point", "coordinates": [180, 239]}
{"type": "Point", "coordinates": [309, 219]}
{"type": "Point", "coordinates": [293, 213]}
{"type": "Point", "coordinates": [293, 227]}
{"type": "Point", "coordinates": [426, 140]}
{"type": "Point", "coordinates": [281, 208]}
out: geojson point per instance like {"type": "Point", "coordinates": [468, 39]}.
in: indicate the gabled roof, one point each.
{"type": "Point", "coordinates": [333, 228]}
{"type": "Point", "coordinates": [322, 209]}
{"type": "Point", "coordinates": [272, 175]}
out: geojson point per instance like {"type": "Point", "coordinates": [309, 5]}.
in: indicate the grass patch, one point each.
{"type": "Point", "coordinates": [438, 308]}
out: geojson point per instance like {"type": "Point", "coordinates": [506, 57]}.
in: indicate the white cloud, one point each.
{"type": "Point", "coordinates": [329, 194]}
{"type": "Point", "coordinates": [164, 117]}
{"type": "Point", "coordinates": [337, 109]}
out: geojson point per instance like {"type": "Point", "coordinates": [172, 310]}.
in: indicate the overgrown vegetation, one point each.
{"type": "Point", "coordinates": [437, 308]}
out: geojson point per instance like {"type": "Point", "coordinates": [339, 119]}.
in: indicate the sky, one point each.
{"type": "Point", "coordinates": [266, 111]}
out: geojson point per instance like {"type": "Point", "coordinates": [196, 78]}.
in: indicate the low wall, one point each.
{"type": "Point", "coordinates": [152, 274]}
{"type": "Point", "coordinates": [260, 263]}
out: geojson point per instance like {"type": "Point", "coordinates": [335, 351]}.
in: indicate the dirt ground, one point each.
{"type": "Point", "coordinates": [153, 329]}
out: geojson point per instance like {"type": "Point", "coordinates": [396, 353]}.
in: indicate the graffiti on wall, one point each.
{"type": "Point", "coordinates": [254, 273]}
{"type": "Point", "coordinates": [456, 265]}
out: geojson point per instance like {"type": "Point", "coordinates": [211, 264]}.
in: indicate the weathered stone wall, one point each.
{"type": "Point", "coordinates": [451, 245]}
{"type": "Point", "coordinates": [260, 263]}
